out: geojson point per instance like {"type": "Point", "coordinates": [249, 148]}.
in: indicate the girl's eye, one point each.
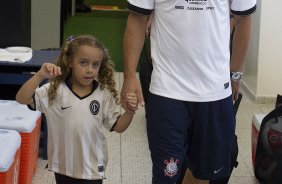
{"type": "Point", "coordinates": [96, 65]}
{"type": "Point", "coordinates": [83, 63]}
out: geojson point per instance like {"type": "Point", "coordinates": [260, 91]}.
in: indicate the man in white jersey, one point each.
{"type": "Point", "coordinates": [189, 110]}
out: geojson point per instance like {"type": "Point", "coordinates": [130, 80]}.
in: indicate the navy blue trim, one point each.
{"type": "Point", "coordinates": [114, 125]}
{"type": "Point", "coordinates": [29, 106]}
{"type": "Point", "coordinates": [246, 12]}
{"type": "Point", "coordinates": [69, 85]}
{"type": "Point", "coordinates": [138, 10]}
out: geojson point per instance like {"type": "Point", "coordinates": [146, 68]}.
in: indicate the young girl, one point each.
{"type": "Point", "coordinates": [79, 99]}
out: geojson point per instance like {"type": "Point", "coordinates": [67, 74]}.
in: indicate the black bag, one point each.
{"type": "Point", "coordinates": [268, 158]}
{"type": "Point", "coordinates": [145, 71]}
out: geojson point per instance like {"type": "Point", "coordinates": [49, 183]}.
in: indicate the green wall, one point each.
{"type": "Point", "coordinates": [107, 26]}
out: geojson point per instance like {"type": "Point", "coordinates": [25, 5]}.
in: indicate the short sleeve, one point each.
{"type": "Point", "coordinates": [111, 112]}
{"type": "Point", "coordinates": [144, 7]}
{"type": "Point", "coordinates": [243, 7]}
{"type": "Point", "coordinates": [41, 100]}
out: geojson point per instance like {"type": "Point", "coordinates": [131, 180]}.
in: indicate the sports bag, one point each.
{"type": "Point", "coordinates": [268, 158]}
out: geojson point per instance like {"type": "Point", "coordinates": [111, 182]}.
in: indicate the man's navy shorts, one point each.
{"type": "Point", "coordinates": [201, 133]}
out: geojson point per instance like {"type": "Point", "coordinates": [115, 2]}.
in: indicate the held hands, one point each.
{"type": "Point", "coordinates": [131, 102]}
{"type": "Point", "coordinates": [49, 70]}
{"type": "Point", "coordinates": [131, 85]}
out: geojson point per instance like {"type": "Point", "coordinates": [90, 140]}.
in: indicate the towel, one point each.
{"type": "Point", "coordinates": [16, 54]}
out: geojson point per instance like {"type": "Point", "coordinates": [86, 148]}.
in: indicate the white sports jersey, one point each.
{"type": "Point", "coordinates": [190, 46]}
{"type": "Point", "coordinates": [76, 142]}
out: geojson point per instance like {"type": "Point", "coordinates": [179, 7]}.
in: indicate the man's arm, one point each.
{"type": "Point", "coordinates": [134, 37]}
{"type": "Point", "coordinates": [240, 46]}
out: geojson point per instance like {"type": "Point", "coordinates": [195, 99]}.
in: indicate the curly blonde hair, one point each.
{"type": "Point", "coordinates": [106, 72]}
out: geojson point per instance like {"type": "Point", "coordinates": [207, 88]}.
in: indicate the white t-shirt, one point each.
{"type": "Point", "coordinates": [190, 46]}
{"type": "Point", "coordinates": [76, 142]}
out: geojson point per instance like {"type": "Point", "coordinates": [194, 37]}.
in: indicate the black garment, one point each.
{"type": "Point", "coordinates": [62, 179]}
{"type": "Point", "coordinates": [79, 2]}
{"type": "Point", "coordinates": [80, 7]}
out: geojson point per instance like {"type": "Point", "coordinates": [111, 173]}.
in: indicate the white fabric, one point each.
{"type": "Point", "coordinates": [241, 5]}
{"type": "Point", "coordinates": [76, 142]}
{"type": "Point", "coordinates": [10, 141]}
{"type": "Point", "coordinates": [142, 4]}
{"type": "Point", "coordinates": [16, 54]}
{"type": "Point", "coordinates": [190, 47]}
{"type": "Point", "coordinates": [17, 117]}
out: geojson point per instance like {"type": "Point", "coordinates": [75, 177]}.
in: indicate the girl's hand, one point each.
{"type": "Point", "coordinates": [131, 102]}
{"type": "Point", "coordinates": [49, 70]}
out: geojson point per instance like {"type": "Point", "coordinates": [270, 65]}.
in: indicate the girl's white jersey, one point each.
{"type": "Point", "coordinates": [76, 142]}
{"type": "Point", "coordinates": [190, 46]}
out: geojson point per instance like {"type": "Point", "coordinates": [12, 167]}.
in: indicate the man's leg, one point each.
{"type": "Point", "coordinates": [167, 124]}
{"type": "Point", "coordinates": [190, 179]}
{"type": "Point", "coordinates": [212, 134]}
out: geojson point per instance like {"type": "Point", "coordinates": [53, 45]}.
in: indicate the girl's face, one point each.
{"type": "Point", "coordinates": [85, 66]}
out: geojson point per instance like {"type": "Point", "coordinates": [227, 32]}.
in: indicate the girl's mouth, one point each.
{"type": "Point", "coordinates": [88, 78]}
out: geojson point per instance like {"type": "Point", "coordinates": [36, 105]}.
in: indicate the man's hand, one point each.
{"type": "Point", "coordinates": [131, 86]}
{"type": "Point", "coordinates": [131, 102]}
{"type": "Point", "coordinates": [235, 89]}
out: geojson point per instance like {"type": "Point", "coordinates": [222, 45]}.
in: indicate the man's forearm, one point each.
{"type": "Point", "coordinates": [240, 43]}
{"type": "Point", "coordinates": [133, 42]}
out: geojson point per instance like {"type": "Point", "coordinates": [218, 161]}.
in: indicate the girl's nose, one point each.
{"type": "Point", "coordinates": [90, 69]}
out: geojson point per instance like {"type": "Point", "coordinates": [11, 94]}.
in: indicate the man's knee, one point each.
{"type": "Point", "coordinates": [190, 179]}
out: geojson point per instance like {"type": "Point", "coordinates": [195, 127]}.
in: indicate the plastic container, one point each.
{"type": "Point", "coordinates": [10, 148]}
{"type": "Point", "coordinates": [27, 123]}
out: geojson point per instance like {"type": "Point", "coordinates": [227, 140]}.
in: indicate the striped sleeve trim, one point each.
{"type": "Point", "coordinates": [114, 125]}
{"type": "Point", "coordinates": [30, 106]}
{"type": "Point", "coordinates": [246, 12]}
{"type": "Point", "coordinates": [138, 10]}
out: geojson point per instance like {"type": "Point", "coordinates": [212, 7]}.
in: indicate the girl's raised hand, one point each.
{"type": "Point", "coordinates": [49, 70]}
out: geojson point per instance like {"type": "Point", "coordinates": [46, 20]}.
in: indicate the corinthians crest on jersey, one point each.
{"type": "Point", "coordinates": [171, 167]}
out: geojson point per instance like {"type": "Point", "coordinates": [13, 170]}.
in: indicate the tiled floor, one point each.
{"type": "Point", "coordinates": [129, 160]}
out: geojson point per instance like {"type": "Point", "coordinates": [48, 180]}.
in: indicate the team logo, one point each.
{"type": "Point", "coordinates": [171, 167]}
{"type": "Point", "coordinates": [226, 85]}
{"type": "Point", "coordinates": [100, 168]}
{"type": "Point", "coordinates": [94, 107]}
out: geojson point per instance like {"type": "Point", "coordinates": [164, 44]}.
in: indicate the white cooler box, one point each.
{"type": "Point", "coordinates": [15, 116]}
{"type": "Point", "coordinates": [10, 148]}
{"type": "Point", "coordinates": [256, 122]}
